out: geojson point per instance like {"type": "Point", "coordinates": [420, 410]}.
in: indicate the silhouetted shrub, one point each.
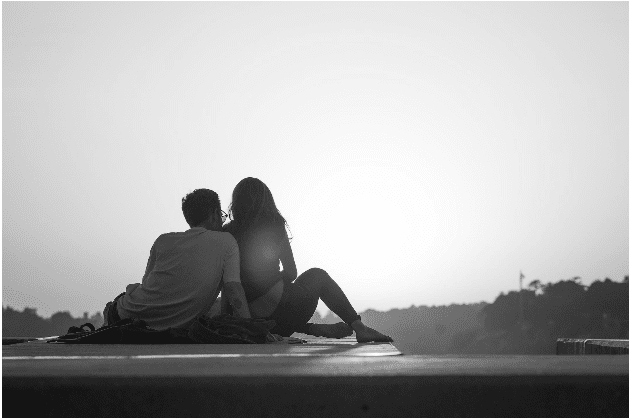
{"type": "Point", "coordinates": [551, 311]}
{"type": "Point", "coordinates": [28, 324]}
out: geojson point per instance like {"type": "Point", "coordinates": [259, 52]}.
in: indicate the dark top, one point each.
{"type": "Point", "coordinates": [261, 246]}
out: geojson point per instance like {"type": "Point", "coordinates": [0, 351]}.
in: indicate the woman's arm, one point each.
{"type": "Point", "coordinates": [289, 271]}
{"type": "Point", "coordinates": [232, 288]}
{"type": "Point", "coordinates": [236, 296]}
{"type": "Point", "coordinates": [225, 305]}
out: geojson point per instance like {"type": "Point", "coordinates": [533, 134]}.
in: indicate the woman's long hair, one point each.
{"type": "Point", "coordinates": [253, 204]}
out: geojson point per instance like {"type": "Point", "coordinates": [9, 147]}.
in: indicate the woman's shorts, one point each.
{"type": "Point", "coordinates": [296, 307]}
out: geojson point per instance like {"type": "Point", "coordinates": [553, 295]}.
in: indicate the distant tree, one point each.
{"type": "Point", "coordinates": [503, 313]}
{"type": "Point", "coordinates": [463, 341]}
{"type": "Point", "coordinates": [563, 309]}
{"type": "Point", "coordinates": [23, 324]}
{"type": "Point", "coordinates": [61, 321]}
{"type": "Point", "coordinates": [317, 318]}
{"type": "Point", "coordinates": [536, 286]}
{"type": "Point", "coordinates": [96, 320]}
{"type": "Point", "coordinates": [29, 324]}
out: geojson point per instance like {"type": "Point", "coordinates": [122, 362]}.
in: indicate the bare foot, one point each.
{"type": "Point", "coordinates": [338, 330]}
{"type": "Point", "coordinates": [368, 334]}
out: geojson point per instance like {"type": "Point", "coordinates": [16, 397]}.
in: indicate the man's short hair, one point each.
{"type": "Point", "coordinates": [198, 205]}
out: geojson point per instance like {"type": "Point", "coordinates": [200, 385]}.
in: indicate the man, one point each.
{"type": "Point", "coordinates": [186, 271]}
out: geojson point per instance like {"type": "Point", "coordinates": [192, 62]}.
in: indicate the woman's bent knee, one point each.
{"type": "Point", "coordinates": [313, 280]}
{"type": "Point", "coordinates": [316, 271]}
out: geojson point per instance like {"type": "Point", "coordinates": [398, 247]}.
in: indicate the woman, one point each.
{"type": "Point", "coordinates": [260, 231]}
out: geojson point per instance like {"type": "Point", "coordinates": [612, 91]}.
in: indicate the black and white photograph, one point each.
{"type": "Point", "coordinates": [315, 208]}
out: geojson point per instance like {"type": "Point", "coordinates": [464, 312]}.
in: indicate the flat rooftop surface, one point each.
{"type": "Point", "coordinates": [318, 379]}
{"type": "Point", "coordinates": [317, 356]}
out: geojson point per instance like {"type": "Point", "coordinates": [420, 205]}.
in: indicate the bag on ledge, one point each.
{"type": "Point", "coordinates": [223, 329]}
{"type": "Point", "coordinates": [126, 331]}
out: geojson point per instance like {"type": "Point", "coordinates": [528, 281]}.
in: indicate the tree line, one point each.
{"type": "Point", "coordinates": [28, 323]}
{"type": "Point", "coordinates": [519, 322]}
{"type": "Point", "coordinates": [530, 321]}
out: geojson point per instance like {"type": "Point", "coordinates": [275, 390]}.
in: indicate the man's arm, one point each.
{"type": "Point", "coordinates": [235, 295]}
{"type": "Point", "coordinates": [150, 264]}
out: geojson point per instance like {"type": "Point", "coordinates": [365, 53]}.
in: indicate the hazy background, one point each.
{"type": "Point", "coordinates": [422, 153]}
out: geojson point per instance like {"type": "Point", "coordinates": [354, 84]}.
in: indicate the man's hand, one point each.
{"type": "Point", "coordinates": [236, 297]}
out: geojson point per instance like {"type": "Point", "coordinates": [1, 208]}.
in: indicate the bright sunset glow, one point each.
{"type": "Point", "coordinates": [422, 153]}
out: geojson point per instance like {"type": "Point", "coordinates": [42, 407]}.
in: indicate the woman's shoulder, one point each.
{"type": "Point", "coordinates": [234, 229]}
{"type": "Point", "coordinates": [228, 227]}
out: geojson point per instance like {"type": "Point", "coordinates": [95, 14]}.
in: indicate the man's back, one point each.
{"type": "Point", "coordinates": [183, 278]}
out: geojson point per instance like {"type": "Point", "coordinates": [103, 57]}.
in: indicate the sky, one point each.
{"type": "Point", "coordinates": [422, 153]}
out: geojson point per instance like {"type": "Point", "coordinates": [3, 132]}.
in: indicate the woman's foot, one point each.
{"type": "Point", "coordinates": [338, 330]}
{"type": "Point", "coordinates": [366, 334]}
{"type": "Point", "coordinates": [372, 335]}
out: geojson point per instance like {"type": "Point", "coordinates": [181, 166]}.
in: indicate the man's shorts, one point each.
{"type": "Point", "coordinates": [110, 313]}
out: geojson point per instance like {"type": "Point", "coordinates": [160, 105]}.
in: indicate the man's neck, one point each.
{"type": "Point", "coordinates": [207, 226]}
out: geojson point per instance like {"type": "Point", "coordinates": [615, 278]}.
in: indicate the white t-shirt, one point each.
{"type": "Point", "coordinates": [184, 276]}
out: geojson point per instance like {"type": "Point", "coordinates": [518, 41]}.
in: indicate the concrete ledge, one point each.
{"type": "Point", "coordinates": [320, 396]}
{"type": "Point", "coordinates": [591, 346]}
{"type": "Point", "coordinates": [319, 379]}
{"type": "Point", "coordinates": [16, 340]}
{"type": "Point", "coordinates": [394, 386]}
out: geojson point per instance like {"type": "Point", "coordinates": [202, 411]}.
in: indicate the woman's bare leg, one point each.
{"type": "Point", "coordinates": [320, 284]}
{"type": "Point", "coordinates": [366, 334]}
{"type": "Point", "coordinates": [338, 330]}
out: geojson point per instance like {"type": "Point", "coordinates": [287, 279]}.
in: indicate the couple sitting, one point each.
{"type": "Point", "coordinates": [187, 270]}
